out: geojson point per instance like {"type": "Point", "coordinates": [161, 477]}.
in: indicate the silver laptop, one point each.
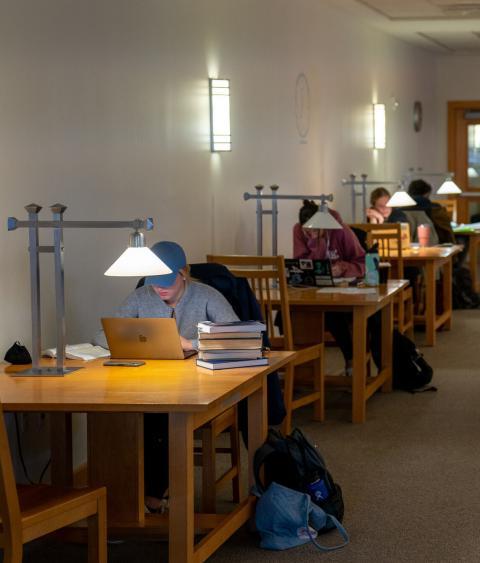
{"type": "Point", "coordinates": [144, 339]}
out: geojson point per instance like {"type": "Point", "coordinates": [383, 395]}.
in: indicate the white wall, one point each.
{"type": "Point", "coordinates": [104, 107]}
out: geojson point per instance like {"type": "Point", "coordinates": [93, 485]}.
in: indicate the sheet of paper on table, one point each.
{"type": "Point", "coordinates": [348, 290]}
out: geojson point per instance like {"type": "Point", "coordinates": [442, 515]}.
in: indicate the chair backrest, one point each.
{"type": "Point", "coordinates": [450, 205]}
{"type": "Point", "coordinates": [9, 508]}
{"type": "Point", "coordinates": [267, 278]}
{"type": "Point", "coordinates": [388, 236]}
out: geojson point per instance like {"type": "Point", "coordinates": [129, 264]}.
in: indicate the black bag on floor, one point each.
{"type": "Point", "coordinates": [410, 369]}
{"type": "Point", "coordinates": [463, 294]}
{"type": "Point", "coordinates": [292, 461]}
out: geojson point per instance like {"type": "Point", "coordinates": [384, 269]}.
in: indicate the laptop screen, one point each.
{"type": "Point", "coordinates": [143, 338]}
{"type": "Point", "coordinates": [308, 272]}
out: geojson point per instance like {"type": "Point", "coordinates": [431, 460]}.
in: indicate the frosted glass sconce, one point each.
{"type": "Point", "coordinates": [379, 135]}
{"type": "Point", "coordinates": [220, 136]}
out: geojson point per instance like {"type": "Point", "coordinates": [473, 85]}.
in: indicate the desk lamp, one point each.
{"type": "Point", "coordinates": [137, 260]}
{"type": "Point", "coordinates": [449, 187]}
{"type": "Point", "coordinates": [401, 199]}
{"type": "Point", "coordinates": [322, 219]}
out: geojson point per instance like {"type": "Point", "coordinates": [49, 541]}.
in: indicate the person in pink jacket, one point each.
{"type": "Point", "coordinates": [347, 256]}
{"type": "Point", "coordinates": [341, 246]}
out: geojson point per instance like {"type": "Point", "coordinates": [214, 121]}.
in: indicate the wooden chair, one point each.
{"type": "Point", "coordinates": [389, 239]}
{"type": "Point", "coordinates": [205, 456]}
{"type": "Point", "coordinates": [29, 512]}
{"type": "Point", "coordinates": [450, 205]}
{"type": "Point", "coordinates": [266, 275]}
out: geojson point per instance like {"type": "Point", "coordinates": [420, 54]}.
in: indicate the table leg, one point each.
{"type": "Point", "coordinates": [387, 341]}
{"type": "Point", "coordinates": [359, 375]}
{"type": "Point", "coordinates": [257, 425]}
{"type": "Point", "coordinates": [430, 302]}
{"type": "Point", "coordinates": [121, 435]}
{"type": "Point", "coordinates": [447, 293]}
{"type": "Point", "coordinates": [472, 259]}
{"type": "Point", "coordinates": [181, 488]}
{"type": "Point", "coordinates": [61, 446]}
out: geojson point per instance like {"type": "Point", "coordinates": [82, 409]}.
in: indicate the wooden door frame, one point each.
{"type": "Point", "coordinates": [460, 169]}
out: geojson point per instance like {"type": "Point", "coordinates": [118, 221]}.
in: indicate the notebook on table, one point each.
{"type": "Point", "coordinates": [309, 273]}
{"type": "Point", "coordinates": [144, 339]}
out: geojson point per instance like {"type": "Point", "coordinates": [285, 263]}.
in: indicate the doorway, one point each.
{"type": "Point", "coordinates": [464, 154]}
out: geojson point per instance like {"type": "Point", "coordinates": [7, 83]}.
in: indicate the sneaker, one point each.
{"type": "Point", "coordinates": [162, 509]}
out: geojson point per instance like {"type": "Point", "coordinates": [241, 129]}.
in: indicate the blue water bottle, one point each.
{"type": "Point", "coordinates": [318, 489]}
{"type": "Point", "coordinates": [372, 260]}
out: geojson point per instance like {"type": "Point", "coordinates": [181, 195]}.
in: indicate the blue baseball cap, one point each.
{"type": "Point", "coordinates": [174, 257]}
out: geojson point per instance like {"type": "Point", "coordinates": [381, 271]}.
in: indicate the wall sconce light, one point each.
{"type": "Point", "coordinates": [379, 135]}
{"type": "Point", "coordinates": [220, 136]}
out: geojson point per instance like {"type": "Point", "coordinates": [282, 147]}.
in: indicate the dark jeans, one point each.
{"type": "Point", "coordinates": [339, 325]}
{"type": "Point", "coordinates": [155, 431]}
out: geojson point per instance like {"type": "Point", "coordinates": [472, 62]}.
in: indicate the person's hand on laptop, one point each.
{"type": "Point", "coordinates": [187, 345]}
{"type": "Point", "coordinates": [337, 270]}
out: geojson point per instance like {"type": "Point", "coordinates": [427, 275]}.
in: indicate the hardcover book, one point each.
{"type": "Point", "coordinates": [230, 344]}
{"type": "Point", "coordinates": [234, 326]}
{"type": "Point", "coordinates": [228, 364]}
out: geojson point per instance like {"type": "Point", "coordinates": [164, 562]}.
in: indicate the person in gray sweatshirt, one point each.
{"type": "Point", "coordinates": [171, 295]}
{"type": "Point", "coordinates": [175, 296]}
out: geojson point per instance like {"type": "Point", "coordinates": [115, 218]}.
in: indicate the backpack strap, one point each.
{"type": "Point", "coordinates": [341, 530]}
{"type": "Point", "coordinates": [332, 522]}
{"type": "Point", "coordinates": [258, 460]}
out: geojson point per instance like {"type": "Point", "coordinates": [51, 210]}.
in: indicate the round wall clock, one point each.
{"type": "Point", "coordinates": [417, 116]}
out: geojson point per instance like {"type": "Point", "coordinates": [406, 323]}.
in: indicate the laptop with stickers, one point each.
{"type": "Point", "coordinates": [306, 272]}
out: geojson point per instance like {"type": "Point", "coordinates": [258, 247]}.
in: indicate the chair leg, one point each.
{"type": "Point", "coordinates": [208, 471]}
{"type": "Point", "coordinates": [401, 313]}
{"type": "Point", "coordinates": [319, 385]}
{"type": "Point", "coordinates": [235, 460]}
{"type": "Point", "coordinates": [288, 398]}
{"type": "Point", "coordinates": [409, 308]}
{"type": "Point", "coordinates": [97, 533]}
{"type": "Point", "coordinates": [13, 553]}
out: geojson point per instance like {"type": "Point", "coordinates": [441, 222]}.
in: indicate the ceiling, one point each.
{"type": "Point", "coordinates": [446, 26]}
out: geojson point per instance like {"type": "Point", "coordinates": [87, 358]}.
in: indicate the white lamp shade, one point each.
{"type": "Point", "coordinates": [401, 199]}
{"type": "Point", "coordinates": [449, 187]}
{"type": "Point", "coordinates": [322, 220]}
{"type": "Point", "coordinates": [138, 262]}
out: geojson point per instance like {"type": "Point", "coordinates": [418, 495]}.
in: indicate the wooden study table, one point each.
{"type": "Point", "coordinates": [433, 259]}
{"type": "Point", "coordinates": [115, 399]}
{"type": "Point", "coordinates": [307, 306]}
{"type": "Point", "coordinates": [473, 245]}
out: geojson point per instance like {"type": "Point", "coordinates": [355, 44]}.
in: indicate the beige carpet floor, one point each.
{"type": "Point", "coordinates": [410, 474]}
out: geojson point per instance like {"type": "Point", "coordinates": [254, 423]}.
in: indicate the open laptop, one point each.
{"type": "Point", "coordinates": [144, 339]}
{"type": "Point", "coordinates": [308, 272]}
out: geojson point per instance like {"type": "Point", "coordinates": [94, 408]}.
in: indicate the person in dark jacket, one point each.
{"type": "Point", "coordinates": [421, 191]}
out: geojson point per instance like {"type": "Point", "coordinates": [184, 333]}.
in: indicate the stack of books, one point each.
{"type": "Point", "coordinates": [230, 345]}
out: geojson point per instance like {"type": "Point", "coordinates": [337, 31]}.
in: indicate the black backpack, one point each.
{"type": "Point", "coordinates": [463, 294]}
{"type": "Point", "coordinates": [410, 369]}
{"type": "Point", "coordinates": [292, 461]}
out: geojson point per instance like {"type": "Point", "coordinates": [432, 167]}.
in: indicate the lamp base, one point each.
{"type": "Point", "coordinates": [45, 372]}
